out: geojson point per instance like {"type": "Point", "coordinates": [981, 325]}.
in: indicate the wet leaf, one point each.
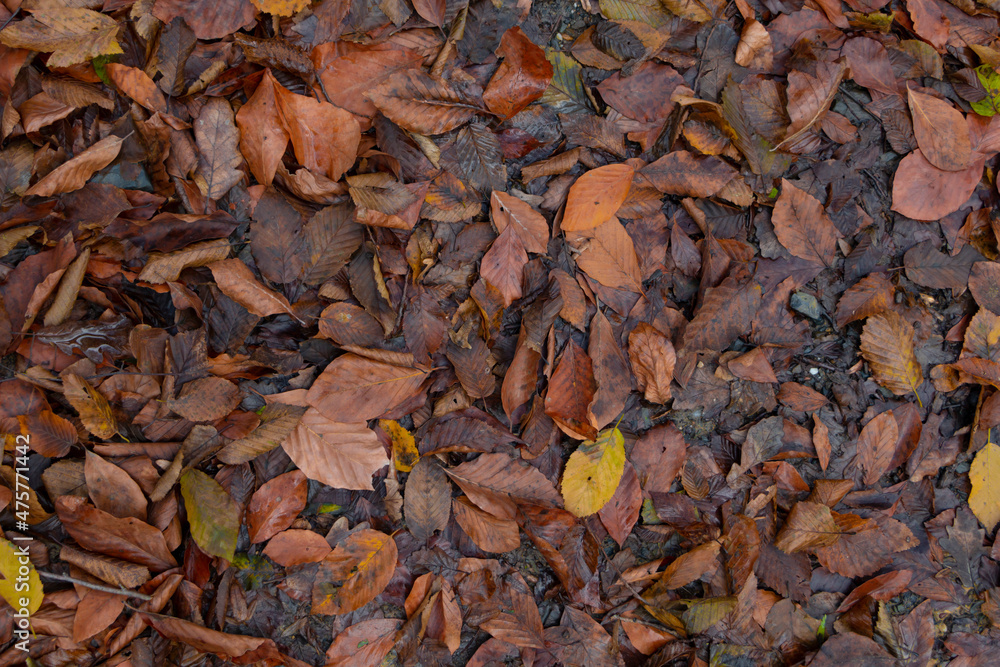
{"type": "Point", "coordinates": [596, 196]}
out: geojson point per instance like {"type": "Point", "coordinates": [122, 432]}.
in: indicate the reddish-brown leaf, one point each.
{"type": "Point", "coordinates": [658, 456]}
{"type": "Point", "coordinates": [620, 513]}
{"type": "Point", "coordinates": [984, 284]}
{"type": "Point", "coordinates": [611, 372]}
{"type": "Point", "coordinates": [653, 358]}
{"type": "Point", "coordinates": [869, 296]}
{"type": "Point", "coordinates": [503, 263]}
{"type": "Point", "coordinates": [364, 643]}
{"type": "Point", "coordinates": [923, 192]}
{"type": "Point", "coordinates": [681, 173]}
{"type": "Point", "coordinates": [295, 547]}
{"type": "Point", "coordinates": [941, 131]}
{"type": "Point", "coordinates": [275, 505]}
{"type": "Point", "coordinates": [355, 388]}
{"type": "Point", "coordinates": [263, 137]}
{"type": "Point", "coordinates": [359, 568]}
{"type": "Point", "coordinates": [490, 533]}
{"type": "Point", "coordinates": [129, 538]}
{"type": "Point", "coordinates": [112, 489]}
{"type": "Point", "coordinates": [877, 445]}
{"type": "Point", "coordinates": [521, 78]}
{"type": "Point", "coordinates": [571, 392]}
{"type": "Point", "coordinates": [420, 103]}
{"type": "Point", "coordinates": [494, 481]}
{"type": "Point", "coordinates": [803, 227]}
{"type": "Point", "coordinates": [338, 454]}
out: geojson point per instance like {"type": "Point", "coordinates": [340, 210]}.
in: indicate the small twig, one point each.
{"type": "Point", "coordinates": [96, 587]}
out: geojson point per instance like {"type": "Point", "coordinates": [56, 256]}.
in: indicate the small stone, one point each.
{"type": "Point", "coordinates": [807, 305]}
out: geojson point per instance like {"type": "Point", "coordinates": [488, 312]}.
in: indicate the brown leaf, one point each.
{"type": "Point", "coordinates": [359, 568]}
{"type": "Point", "coordinates": [489, 533]}
{"type": "Point", "coordinates": [681, 173]}
{"type": "Point", "coordinates": [887, 346]}
{"type": "Point", "coordinates": [620, 513]}
{"type": "Point", "coordinates": [275, 505]}
{"type": "Point", "coordinates": [206, 399]}
{"type": "Point", "coordinates": [218, 140]}
{"type": "Point", "coordinates": [607, 254]}
{"type": "Point", "coordinates": [800, 397]}
{"type": "Point", "coordinates": [869, 296]}
{"type": "Point", "coordinates": [653, 358]}
{"type": "Point", "coordinates": [74, 174]}
{"type": "Point", "coordinates": [595, 197]}
{"type": "Point", "coordinates": [240, 649]}
{"type": "Point", "coordinates": [354, 388]}
{"type": "Point", "coordinates": [129, 538]}
{"type": "Point", "coordinates": [658, 456]}
{"type": "Point", "coordinates": [263, 137]}
{"type": "Point", "coordinates": [755, 49]}
{"type": "Point", "coordinates": [494, 481]}
{"type": "Point", "coordinates": [724, 315]}
{"type": "Point", "coordinates": [821, 441]}
{"type": "Point", "coordinates": [809, 97]}
{"type": "Point", "coordinates": [209, 19]}
{"type": "Point", "coordinates": [71, 34]}
{"type": "Point", "coordinates": [941, 132]}
{"type": "Point", "coordinates": [571, 392]}
{"type": "Point", "coordinates": [51, 435]}
{"type": "Point", "coordinates": [521, 78]}
{"type": "Point", "coordinates": [982, 336]}
{"type": "Point", "coordinates": [420, 103]}
{"type": "Point", "coordinates": [364, 643]}
{"type": "Point", "coordinates": [427, 501]}
{"type": "Point", "coordinates": [754, 366]}
{"type": "Point", "coordinates": [341, 455]}
{"type": "Point", "coordinates": [984, 286]}
{"type": "Point", "coordinates": [809, 526]}
{"type": "Point", "coordinates": [295, 547]}
{"type": "Point", "coordinates": [112, 489]}
{"type": "Point", "coordinates": [883, 587]}
{"type": "Point", "coordinates": [431, 10]}
{"type": "Point", "coordinates": [877, 446]}
{"type": "Point", "coordinates": [803, 227]}
{"type": "Point", "coordinates": [136, 84]}
{"type": "Point", "coordinates": [923, 192]}
{"type": "Point", "coordinates": [611, 372]}
{"type": "Point", "coordinates": [503, 263]}
{"type": "Point", "coordinates": [238, 283]}
{"type": "Point", "coordinates": [347, 77]}
{"type": "Point", "coordinates": [528, 224]}
{"type": "Point", "coordinates": [690, 566]}
{"type": "Point", "coordinates": [325, 138]}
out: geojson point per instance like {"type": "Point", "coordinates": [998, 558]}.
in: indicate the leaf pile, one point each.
{"type": "Point", "coordinates": [483, 332]}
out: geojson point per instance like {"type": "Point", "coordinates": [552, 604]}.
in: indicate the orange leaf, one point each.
{"type": "Point", "coordinates": [596, 196]}
{"type": "Point", "coordinates": [74, 174]}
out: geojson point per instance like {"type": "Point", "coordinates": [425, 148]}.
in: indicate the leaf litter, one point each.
{"type": "Point", "coordinates": [624, 333]}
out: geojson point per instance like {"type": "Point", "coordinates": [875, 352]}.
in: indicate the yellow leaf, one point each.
{"type": "Point", "coordinates": [281, 7]}
{"type": "Point", "coordinates": [985, 497]}
{"type": "Point", "coordinates": [94, 409]}
{"type": "Point", "coordinates": [71, 35]}
{"type": "Point", "coordinates": [593, 472]}
{"type": "Point", "coordinates": [404, 446]}
{"type": "Point", "coordinates": [20, 587]}
{"type": "Point", "coordinates": [887, 346]}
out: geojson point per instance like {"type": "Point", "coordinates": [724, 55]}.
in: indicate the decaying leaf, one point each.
{"type": "Point", "coordinates": [887, 346]}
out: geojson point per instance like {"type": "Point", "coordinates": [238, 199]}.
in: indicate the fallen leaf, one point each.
{"type": "Point", "coordinates": [595, 197]}
{"type": "Point", "coordinates": [653, 359]}
{"type": "Point", "coordinates": [877, 446]}
{"type": "Point", "coordinates": [212, 513]}
{"type": "Point", "coordinates": [72, 35]}
{"type": "Point", "coordinates": [803, 227]}
{"type": "Point", "coordinates": [984, 499]}
{"type": "Point", "coordinates": [218, 140]}
{"type": "Point", "coordinates": [593, 472]}
{"type": "Point", "coordinates": [887, 346]}
{"type": "Point", "coordinates": [74, 174]}
{"type": "Point", "coordinates": [338, 454]}
{"type": "Point", "coordinates": [275, 505]}
{"type": "Point", "coordinates": [359, 568]}
{"type": "Point", "coordinates": [941, 132]}
{"type": "Point", "coordinates": [427, 504]}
